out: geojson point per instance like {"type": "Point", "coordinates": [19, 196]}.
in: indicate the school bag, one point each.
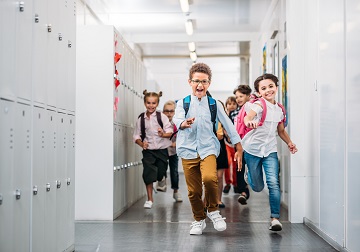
{"type": "Point", "coordinates": [212, 107]}
{"type": "Point", "coordinates": [142, 123]}
{"type": "Point", "coordinates": [239, 119]}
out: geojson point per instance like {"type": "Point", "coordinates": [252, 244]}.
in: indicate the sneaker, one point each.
{"type": "Point", "coordinates": [221, 205]}
{"type": "Point", "coordinates": [246, 174]}
{"type": "Point", "coordinates": [161, 185]}
{"type": "Point", "coordinates": [177, 197]}
{"type": "Point", "coordinates": [226, 189]}
{"type": "Point", "coordinates": [275, 225]}
{"type": "Point", "coordinates": [148, 204]}
{"type": "Point", "coordinates": [242, 199]}
{"type": "Point", "coordinates": [218, 220]}
{"type": "Point", "coordinates": [197, 227]}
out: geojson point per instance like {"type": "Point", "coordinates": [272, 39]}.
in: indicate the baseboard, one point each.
{"type": "Point", "coordinates": [326, 238]}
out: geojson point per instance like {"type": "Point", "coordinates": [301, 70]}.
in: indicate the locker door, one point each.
{"type": "Point", "coordinates": [22, 178]}
{"type": "Point", "coordinates": [39, 162]}
{"type": "Point", "coordinates": [7, 49]}
{"type": "Point", "coordinates": [51, 140]}
{"type": "Point", "coordinates": [7, 112]}
{"type": "Point", "coordinates": [39, 52]}
{"type": "Point", "coordinates": [70, 183]}
{"type": "Point", "coordinates": [61, 169]}
{"type": "Point", "coordinates": [62, 57]}
{"type": "Point", "coordinates": [23, 52]}
{"type": "Point", "coordinates": [53, 53]}
{"type": "Point", "coordinates": [71, 59]}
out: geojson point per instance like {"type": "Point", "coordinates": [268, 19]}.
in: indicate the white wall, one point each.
{"type": "Point", "coordinates": [322, 50]}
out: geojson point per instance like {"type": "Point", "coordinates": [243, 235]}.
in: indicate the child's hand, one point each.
{"type": "Point", "coordinates": [145, 145]}
{"type": "Point", "coordinates": [252, 124]}
{"type": "Point", "coordinates": [292, 147]}
{"type": "Point", "coordinates": [160, 132]}
{"type": "Point", "coordinates": [187, 123]}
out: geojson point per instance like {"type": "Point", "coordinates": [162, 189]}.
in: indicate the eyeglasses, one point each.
{"type": "Point", "coordinates": [168, 111]}
{"type": "Point", "coordinates": [204, 82]}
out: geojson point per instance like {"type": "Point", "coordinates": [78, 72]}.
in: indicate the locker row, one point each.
{"type": "Point", "coordinates": [38, 52]}
{"type": "Point", "coordinates": [37, 161]}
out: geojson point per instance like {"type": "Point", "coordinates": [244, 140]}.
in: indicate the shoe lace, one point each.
{"type": "Point", "coordinates": [215, 216]}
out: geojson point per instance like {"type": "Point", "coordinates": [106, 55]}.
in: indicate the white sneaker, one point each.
{"type": "Point", "coordinates": [161, 185]}
{"type": "Point", "coordinates": [275, 225]}
{"type": "Point", "coordinates": [197, 227]}
{"type": "Point", "coordinates": [148, 204]}
{"type": "Point", "coordinates": [177, 197]}
{"type": "Point", "coordinates": [218, 220]}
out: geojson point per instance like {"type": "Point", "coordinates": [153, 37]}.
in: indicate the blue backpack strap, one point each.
{"type": "Point", "coordinates": [213, 111]}
{"type": "Point", "coordinates": [186, 104]}
{"type": "Point", "coordinates": [142, 126]}
{"type": "Point", "coordinates": [158, 117]}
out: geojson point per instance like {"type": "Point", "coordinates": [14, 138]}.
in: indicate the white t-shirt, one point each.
{"type": "Point", "coordinates": [261, 142]}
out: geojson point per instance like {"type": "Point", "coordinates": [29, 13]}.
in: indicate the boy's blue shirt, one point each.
{"type": "Point", "coordinates": [200, 138]}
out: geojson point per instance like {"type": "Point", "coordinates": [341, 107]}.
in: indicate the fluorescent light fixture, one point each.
{"type": "Point", "coordinates": [189, 27]}
{"type": "Point", "coordinates": [191, 46]}
{"type": "Point", "coordinates": [184, 5]}
{"type": "Point", "coordinates": [193, 56]}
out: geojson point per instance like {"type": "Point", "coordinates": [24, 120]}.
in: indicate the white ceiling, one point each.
{"type": "Point", "coordinates": [157, 29]}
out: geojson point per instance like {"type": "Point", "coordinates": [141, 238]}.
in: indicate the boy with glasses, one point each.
{"type": "Point", "coordinates": [198, 148]}
{"type": "Point", "coordinates": [169, 111]}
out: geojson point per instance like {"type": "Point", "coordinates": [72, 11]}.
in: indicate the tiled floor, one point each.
{"type": "Point", "coordinates": [166, 227]}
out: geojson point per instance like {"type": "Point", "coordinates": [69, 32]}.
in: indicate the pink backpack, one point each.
{"type": "Point", "coordinates": [239, 119]}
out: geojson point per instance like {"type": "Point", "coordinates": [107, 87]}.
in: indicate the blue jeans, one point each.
{"type": "Point", "coordinates": [255, 178]}
{"type": "Point", "coordinates": [174, 174]}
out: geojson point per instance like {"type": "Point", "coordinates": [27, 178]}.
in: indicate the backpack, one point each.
{"type": "Point", "coordinates": [239, 119]}
{"type": "Point", "coordinates": [142, 123]}
{"type": "Point", "coordinates": [212, 107]}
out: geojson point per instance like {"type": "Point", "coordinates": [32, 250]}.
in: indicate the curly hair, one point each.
{"type": "Point", "coordinates": [265, 77]}
{"type": "Point", "coordinates": [200, 68]}
{"type": "Point", "coordinates": [151, 94]}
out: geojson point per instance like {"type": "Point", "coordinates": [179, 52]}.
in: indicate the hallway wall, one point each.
{"type": "Point", "coordinates": [321, 43]}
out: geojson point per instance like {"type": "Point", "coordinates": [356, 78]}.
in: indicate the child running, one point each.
{"type": "Point", "coordinates": [242, 94]}
{"type": "Point", "coordinates": [169, 111]}
{"type": "Point", "coordinates": [152, 132]}
{"type": "Point", "coordinates": [260, 145]}
{"type": "Point", "coordinates": [198, 148]}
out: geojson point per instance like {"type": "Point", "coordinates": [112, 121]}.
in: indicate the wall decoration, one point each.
{"type": "Point", "coordinates": [264, 59]}
{"type": "Point", "coordinates": [284, 87]}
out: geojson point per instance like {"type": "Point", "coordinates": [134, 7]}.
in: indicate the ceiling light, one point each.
{"type": "Point", "coordinates": [193, 56]}
{"type": "Point", "coordinates": [191, 46]}
{"type": "Point", "coordinates": [184, 5]}
{"type": "Point", "coordinates": [189, 27]}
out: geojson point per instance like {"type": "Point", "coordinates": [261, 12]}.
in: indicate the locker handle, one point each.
{"type": "Point", "coordinates": [48, 186]}
{"type": "Point", "coordinates": [122, 166]}
{"type": "Point", "coordinates": [68, 181]}
{"type": "Point", "coordinates": [60, 36]}
{"type": "Point", "coordinates": [35, 190]}
{"type": "Point", "coordinates": [1, 199]}
{"type": "Point", "coordinates": [69, 44]}
{"type": "Point", "coordinates": [49, 27]}
{"type": "Point", "coordinates": [36, 18]}
{"type": "Point", "coordinates": [18, 194]}
{"type": "Point", "coordinates": [58, 183]}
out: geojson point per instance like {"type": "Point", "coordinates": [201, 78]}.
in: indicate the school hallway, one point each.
{"type": "Point", "coordinates": [166, 227]}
